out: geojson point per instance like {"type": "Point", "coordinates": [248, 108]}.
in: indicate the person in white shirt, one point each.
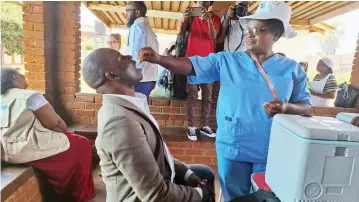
{"type": "Point", "coordinates": [231, 34]}
{"type": "Point", "coordinates": [141, 35]}
{"type": "Point", "coordinates": [136, 164]}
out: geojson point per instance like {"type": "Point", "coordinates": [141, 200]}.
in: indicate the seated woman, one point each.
{"type": "Point", "coordinates": [323, 88]}
{"type": "Point", "coordinates": [32, 133]}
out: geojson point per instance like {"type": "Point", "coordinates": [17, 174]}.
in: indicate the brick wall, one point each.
{"type": "Point", "coordinates": [34, 46]}
{"type": "Point", "coordinates": [28, 192]}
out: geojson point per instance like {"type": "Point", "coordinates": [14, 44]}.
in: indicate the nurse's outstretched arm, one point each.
{"type": "Point", "coordinates": [181, 66]}
{"type": "Point", "coordinates": [200, 70]}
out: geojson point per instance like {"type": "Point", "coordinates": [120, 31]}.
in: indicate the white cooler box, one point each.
{"type": "Point", "coordinates": [313, 159]}
{"type": "Point", "coordinates": [348, 117]}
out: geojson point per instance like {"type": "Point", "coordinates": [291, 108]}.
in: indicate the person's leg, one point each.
{"type": "Point", "coordinates": [191, 111]}
{"type": "Point", "coordinates": [70, 172]}
{"type": "Point", "coordinates": [234, 176]}
{"type": "Point", "coordinates": [206, 110]}
{"type": "Point", "coordinates": [145, 88]}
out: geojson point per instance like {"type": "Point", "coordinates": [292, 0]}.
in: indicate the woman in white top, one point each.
{"type": "Point", "coordinates": [32, 133]}
{"type": "Point", "coordinates": [114, 41]}
{"type": "Point", "coordinates": [324, 85]}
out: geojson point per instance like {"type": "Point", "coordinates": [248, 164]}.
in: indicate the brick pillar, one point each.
{"type": "Point", "coordinates": [34, 50]}
{"type": "Point", "coordinates": [52, 51]}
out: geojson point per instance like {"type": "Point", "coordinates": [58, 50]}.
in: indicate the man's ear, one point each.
{"type": "Point", "coordinates": [137, 13]}
{"type": "Point", "coordinates": [111, 76]}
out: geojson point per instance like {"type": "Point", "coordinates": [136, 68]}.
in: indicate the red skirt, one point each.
{"type": "Point", "coordinates": [70, 172]}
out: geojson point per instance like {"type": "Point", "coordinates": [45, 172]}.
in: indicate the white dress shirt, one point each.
{"type": "Point", "coordinates": [141, 35]}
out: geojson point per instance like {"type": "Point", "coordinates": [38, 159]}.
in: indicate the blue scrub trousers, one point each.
{"type": "Point", "coordinates": [145, 88]}
{"type": "Point", "coordinates": [235, 176]}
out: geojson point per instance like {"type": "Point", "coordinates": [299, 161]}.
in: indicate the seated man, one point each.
{"type": "Point", "coordinates": [135, 162]}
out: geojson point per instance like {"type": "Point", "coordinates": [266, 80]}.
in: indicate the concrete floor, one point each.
{"type": "Point", "coordinates": [101, 189]}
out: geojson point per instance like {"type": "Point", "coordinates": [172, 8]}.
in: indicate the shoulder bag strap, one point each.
{"type": "Point", "coordinates": [266, 78]}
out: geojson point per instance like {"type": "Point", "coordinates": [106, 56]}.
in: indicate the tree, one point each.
{"type": "Point", "coordinates": [12, 38]}
{"type": "Point", "coordinates": [329, 41]}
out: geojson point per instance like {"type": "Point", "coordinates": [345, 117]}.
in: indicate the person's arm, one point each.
{"type": "Point", "coordinates": [330, 89]}
{"type": "Point", "coordinates": [211, 29]}
{"type": "Point", "coordinates": [50, 120]}
{"type": "Point", "coordinates": [300, 100]}
{"type": "Point", "coordinates": [198, 69]}
{"type": "Point", "coordinates": [223, 30]}
{"type": "Point", "coordinates": [213, 24]}
{"type": "Point", "coordinates": [129, 148]}
{"type": "Point", "coordinates": [329, 95]}
{"type": "Point", "coordinates": [185, 21]}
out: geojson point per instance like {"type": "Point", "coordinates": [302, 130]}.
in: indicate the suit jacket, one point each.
{"type": "Point", "coordinates": [133, 163]}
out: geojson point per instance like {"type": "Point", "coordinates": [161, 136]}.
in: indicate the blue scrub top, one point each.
{"type": "Point", "coordinates": [243, 123]}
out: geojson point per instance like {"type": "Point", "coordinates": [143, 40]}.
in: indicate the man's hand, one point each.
{"type": "Point", "coordinates": [207, 16]}
{"type": "Point", "coordinates": [208, 192]}
{"type": "Point", "coordinates": [230, 13]}
{"type": "Point", "coordinates": [194, 180]}
{"type": "Point", "coordinates": [274, 108]}
{"type": "Point", "coordinates": [149, 55]}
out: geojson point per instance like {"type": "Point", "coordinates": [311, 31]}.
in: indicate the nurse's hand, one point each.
{"type": "Point", "coordinates": [149, 55]}
{"type": "Point", "coordinates": [274, 108]}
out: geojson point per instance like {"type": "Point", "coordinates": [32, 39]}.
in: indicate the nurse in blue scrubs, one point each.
{"type": "Point", "coordinates": [245, 105]}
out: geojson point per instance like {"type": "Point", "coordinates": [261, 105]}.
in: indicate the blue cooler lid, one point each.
{"type": "Point", "coordinates": [318, 127]}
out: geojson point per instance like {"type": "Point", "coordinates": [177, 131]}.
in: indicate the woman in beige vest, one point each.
{"type": "Point", "coordinates": [32, 133]}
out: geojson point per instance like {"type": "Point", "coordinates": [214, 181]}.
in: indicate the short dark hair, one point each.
{"type": "Point", "coordinates": [92, 68]}
{"type": "Point", "coordinates": [141, 6]}
{"type": "Point", "coordinates": [276, 25]}
{"type": "Point", "coordinates": [7, 77]}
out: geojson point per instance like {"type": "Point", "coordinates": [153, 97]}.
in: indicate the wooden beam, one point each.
{"type": "Point", "coordinates": [253, 6]}
{"type": "Point", "coordinates": [162, 31]}
{"type": "Point", "coordinates": [316, 29]}
{"type": "Point", "coordinates": [351, 6]}
{"type": "Point", "coordinates": [317, 9]}
{"type": "Point", "coordinates": [309, 6]}
{"type": "Point", "coordinates": [122, 9]}
{"type": "Point", "coordinates": [295, 22]}
{"type": "Point", "coordinates": [325, 26]}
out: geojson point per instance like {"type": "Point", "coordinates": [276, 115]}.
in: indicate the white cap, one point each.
{"type": "Point", "coordinates": [329, 62]}
{"type": "Point", "coordinates": [273, 10]}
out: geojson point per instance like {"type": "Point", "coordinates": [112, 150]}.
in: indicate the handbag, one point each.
{"type": "Point", "coordinates": [181, 41]}
{"type": "Point", "coordinates": [347, 96]}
